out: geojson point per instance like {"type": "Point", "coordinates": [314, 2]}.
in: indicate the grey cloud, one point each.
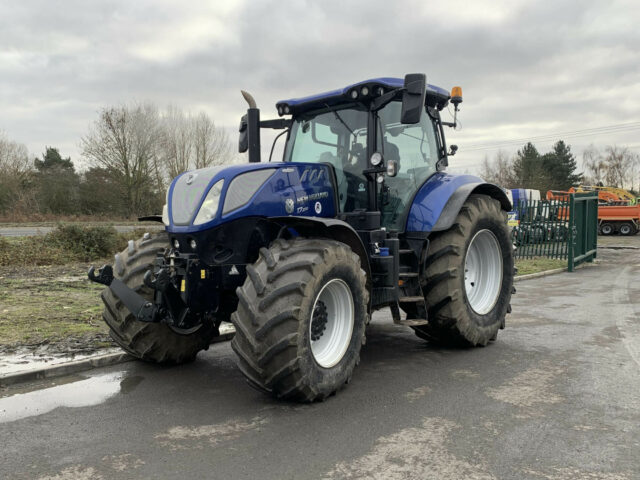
{"type": "Point", "coordinates": [527, 68]}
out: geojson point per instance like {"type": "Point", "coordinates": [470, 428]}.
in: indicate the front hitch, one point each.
{"type": "Point", "coordinates": [142, 309]}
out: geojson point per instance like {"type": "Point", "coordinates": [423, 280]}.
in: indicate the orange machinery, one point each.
{"type": "Point", "coordinates": [623, 219]}
{"type": "Point", "coordinates": [604, 196]}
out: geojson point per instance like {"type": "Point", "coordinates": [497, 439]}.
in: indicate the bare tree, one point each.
{"type": "Point", "coordinates": [124, 141]}
{"type": "Point", "coordinates": [15, 176]}
{"type": "Point", "coordinates": [595, 164]}
{"type": "Point", "coordinates": [190, 142]}
{"type": "Point", "coordinates": [177, 138]}
{"type": "Point", "coordinates": [499, 170]}
{"type": "Point", "coordinates": [619, 162]}
{"type": "Point", "coordinates": [212, 145]}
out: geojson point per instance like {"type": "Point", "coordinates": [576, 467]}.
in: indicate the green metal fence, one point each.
{"type": "Point", "coordinates": [541, 228]}
{"type": "Point", "coordinates": [564, 229]}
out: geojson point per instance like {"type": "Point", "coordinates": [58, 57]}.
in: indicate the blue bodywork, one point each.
{"type": "Point", "coordinates": [304, 185]}
{"type": "Point", "coordinates": [311, 194]}
{"type": "Point", "coordinates": [338, 95]}
{"type": "Point", "coordinates": [432, 197]}
{"type": "Point", "coordinates": [306, 189]}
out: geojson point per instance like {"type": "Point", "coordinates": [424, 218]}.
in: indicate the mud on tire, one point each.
{"type": "Point", "coordinates": [275, 308]}
{"type": "Point", "coordinates": [153, 342]}
{"type": "Point", "coordinates": [452, 321]}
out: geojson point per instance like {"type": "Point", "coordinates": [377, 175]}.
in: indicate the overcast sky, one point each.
{"type": "Point", "coordinates": [527, 69]}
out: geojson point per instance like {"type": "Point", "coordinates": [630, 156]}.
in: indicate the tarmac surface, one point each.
{"type": "Point", "coordinates": [556, 397]}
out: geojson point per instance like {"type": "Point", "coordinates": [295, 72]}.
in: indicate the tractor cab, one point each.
{"type": "Point", "coordinates": [382, 138]}
{"type": "Point", "coordinates": [339, 136]}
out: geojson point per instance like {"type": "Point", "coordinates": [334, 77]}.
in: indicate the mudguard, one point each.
{"type": "Point", "coordinates": [437, 203]}
{"type": "Point", "coordinates": [330, 228]}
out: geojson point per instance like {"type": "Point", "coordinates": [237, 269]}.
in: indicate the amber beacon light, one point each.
{"type": "Point", "coordinates": [456, 95]}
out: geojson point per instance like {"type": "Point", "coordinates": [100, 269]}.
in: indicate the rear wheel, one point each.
{"type": "Point", "coordinates": [606, 229]}
{"type": "Point", "coordinates": [468, 279]}
{"type": "Point", "coordinates": [301, 318]}
{"type": "Point", "coordinates": [153, 342]}
{"type": "Point", "coordinates": [627, 229]}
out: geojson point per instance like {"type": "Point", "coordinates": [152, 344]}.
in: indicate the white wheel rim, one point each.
{"type": "Point", "coordinates": [606, 229]}
{"type": "Point", "coordinates": [625, 229]}
{"type": "Point", "coordinates": [329, 345]}
{"type": "Point", "coordinates": [483, 272]}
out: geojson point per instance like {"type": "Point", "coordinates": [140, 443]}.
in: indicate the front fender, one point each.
{"type": "Point", "coordinates": [437, 203]}
{"type": "Point", "coordinates": [330, 228]}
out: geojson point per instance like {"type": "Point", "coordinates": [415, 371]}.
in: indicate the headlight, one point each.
{"type": "Point", "coordinates": [165, 215]}
{"type": "Point", "coordinates": [209, 207]}
{"type": "Point", "coordinates": [165, 209]}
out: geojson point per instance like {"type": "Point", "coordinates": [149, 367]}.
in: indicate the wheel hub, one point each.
{"type": "Point", "coordinates": [331, 323]}
{"type": "Point", "coordinates": [483, 272]}
{"type": "Point", "coordinates": [319, 321]}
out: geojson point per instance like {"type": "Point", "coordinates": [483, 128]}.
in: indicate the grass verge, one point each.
{"type": "Point", "coordinates": [46, 298]}
{"type": "Point", "coordinates": [51, 306]}
{"type": "Point", "coordinates": [527, 266]}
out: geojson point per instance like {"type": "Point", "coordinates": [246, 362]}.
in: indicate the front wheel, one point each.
{"type": "Point", "coordinates": [301, 318]}
{"type": "Point", "coordinates": [152, 342]}
{"type": "Point", "coordinates": [606, 229]}
{"type": "Point", "coordinates": [468, 278]}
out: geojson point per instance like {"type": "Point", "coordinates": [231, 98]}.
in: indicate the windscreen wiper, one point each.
{"type": "Point", "coordinates": [340, 120]}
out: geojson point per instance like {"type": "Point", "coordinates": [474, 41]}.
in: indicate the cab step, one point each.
{"type": "Point", "coordinates": [408, 275]}
{"type": "Point", "coordinates": [412, 322]}
{"type": "Point", "coordinates": [409, 322]}
{"type": "Point", "coordinates": [410, 299]}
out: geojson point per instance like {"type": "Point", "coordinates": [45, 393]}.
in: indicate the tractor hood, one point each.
{"type": "Point", "coordinates": [204, 198]}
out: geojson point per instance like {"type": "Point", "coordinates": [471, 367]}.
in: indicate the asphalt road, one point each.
{"type": "Point", "coordinates": [36, 230]}
{"type": "Point", "coordinates": [557, 397]}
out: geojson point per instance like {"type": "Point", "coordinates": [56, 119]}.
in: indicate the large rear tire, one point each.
{"type": "Point", "coordinates": [301, 318]}
{"type": "Point", "coordinates": [152, 342]}
{"type": "Point", "coordinates": [468, 279]}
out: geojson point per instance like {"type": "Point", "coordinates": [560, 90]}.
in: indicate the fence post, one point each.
{"type": "Point", "coordinates": [571, 232]}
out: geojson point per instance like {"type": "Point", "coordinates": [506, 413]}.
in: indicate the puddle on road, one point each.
{"type": "Point", "coordinates": [81, 393]}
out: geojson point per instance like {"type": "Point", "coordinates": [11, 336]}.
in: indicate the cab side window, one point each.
{"type": "Point", "coordinates": [415, 148]}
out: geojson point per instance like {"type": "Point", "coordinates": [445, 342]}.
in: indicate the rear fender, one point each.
{"type": "Point", "coordinates": [437, 203]}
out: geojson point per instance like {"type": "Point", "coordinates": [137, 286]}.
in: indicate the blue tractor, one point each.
{"type": "Point", "coordinates": [359, 215]}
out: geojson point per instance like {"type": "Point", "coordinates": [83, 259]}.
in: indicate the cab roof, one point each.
{"type": "Point", "coordinates": [436, 96]}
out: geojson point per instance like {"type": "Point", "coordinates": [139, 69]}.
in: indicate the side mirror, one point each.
{"type": "Point", "coordinates": [413, 97]}
{"type": "Point", "coordinates": [392, 168]}
{"type": "Point", "coordinates": [243, 141]}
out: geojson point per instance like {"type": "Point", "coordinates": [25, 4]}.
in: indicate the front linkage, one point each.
{"type": "Point", "coordinates": [177, 281]}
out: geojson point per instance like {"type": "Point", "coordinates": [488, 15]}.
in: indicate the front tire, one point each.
{"type": "Point", "coordinates": [468, 279]}
{"type": "Point", "coordinates": [152, 342]}
{"type": "Point", "coordinates": [607, 229]}
{"type": "Point", "coordinates": [301, 318]}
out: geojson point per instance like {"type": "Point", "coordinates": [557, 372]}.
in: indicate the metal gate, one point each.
{"type": "Point", "coordinates": [561, 229]}
{"type": "Point", "coordinates": [583, 219]}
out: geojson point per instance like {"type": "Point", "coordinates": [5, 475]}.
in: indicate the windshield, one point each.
{"type": "Point", "coordinates": [338, 137]}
